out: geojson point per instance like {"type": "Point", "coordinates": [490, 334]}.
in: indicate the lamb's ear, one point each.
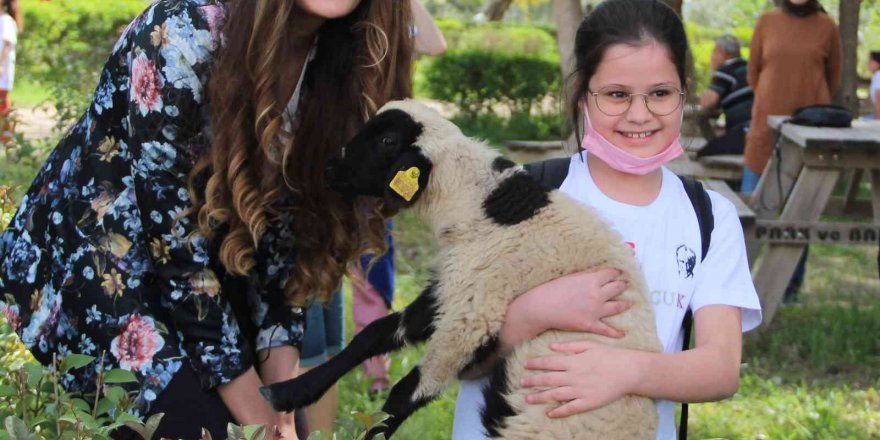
{"type": "Point", "coordinates": [406, 179]}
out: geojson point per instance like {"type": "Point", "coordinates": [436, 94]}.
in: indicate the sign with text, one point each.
{"type": "Point", "coordinates": [803, 233]}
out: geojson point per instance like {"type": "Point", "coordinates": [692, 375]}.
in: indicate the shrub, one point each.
{"type": "Point", "coordinates": [65, 44]}
{"type": "Point", "coordinates": [477, 80]}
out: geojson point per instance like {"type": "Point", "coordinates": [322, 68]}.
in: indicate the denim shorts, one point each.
{"type": "Point", "coordinates": [325, 331]}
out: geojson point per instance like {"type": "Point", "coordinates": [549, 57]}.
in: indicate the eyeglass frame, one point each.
{"type": "Point", "coordinates": [681, 96]}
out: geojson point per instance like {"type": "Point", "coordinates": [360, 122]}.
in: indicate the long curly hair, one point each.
{"type": "Point", "coordinates": [258, 173]}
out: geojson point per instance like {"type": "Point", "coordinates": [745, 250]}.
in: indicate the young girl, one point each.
{"type": "Point", "coordinates": [170, 231]}
{"type": "Point", "coordinates": [629, 88]}
{"type": "Point", "coordinates": [10, 21]}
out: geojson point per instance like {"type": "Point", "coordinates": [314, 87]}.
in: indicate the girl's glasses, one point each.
{"type": "Point", "coordinates": [660, 101]}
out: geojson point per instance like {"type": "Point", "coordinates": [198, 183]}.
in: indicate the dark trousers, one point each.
{"type": "Point", "coordinates": [188, 408]}
{"type": "Point", "coordinates": [732, 142]}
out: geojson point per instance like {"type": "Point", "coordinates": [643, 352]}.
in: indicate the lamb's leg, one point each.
{"type": "Point", "coordinates": [496, 408]}
{"type": "Point", "coordinates": [415, 324]}
{"type": "Point", "coordinates": [401, 404]}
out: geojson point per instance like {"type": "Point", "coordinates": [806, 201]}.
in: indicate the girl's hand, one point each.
{"type": "Point", "coordinates": [575, 302]}
{"type": "Point", "coordinates": [587, 376]}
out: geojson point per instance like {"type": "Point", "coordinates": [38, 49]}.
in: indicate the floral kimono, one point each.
{"type": "Point", "coordinates": [98, 260]}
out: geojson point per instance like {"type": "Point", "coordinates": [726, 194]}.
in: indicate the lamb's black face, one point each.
{"type": "Point", "coordinates": [382, 160]}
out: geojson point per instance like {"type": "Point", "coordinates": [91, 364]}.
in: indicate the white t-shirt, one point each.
{"type": "Point", "coordinates": [9, 34]}
{"type": "Point", "coordinates": [666, 238]}
{"type": "Point", "coordinates": [875, 86]}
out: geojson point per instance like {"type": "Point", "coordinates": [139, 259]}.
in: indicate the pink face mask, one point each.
{"type": "Point", "coordinates": [620, 160]}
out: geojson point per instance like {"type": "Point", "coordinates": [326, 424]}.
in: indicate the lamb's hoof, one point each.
{"type": "Point", "coordinates": [275, 394]}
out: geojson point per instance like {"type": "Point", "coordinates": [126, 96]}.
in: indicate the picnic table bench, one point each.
{"type": "Point", "coordinates": [795, 190]}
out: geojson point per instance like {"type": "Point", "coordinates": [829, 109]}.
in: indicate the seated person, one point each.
{"type": "Point", "coordinates": [731, 90]}
{"type": "Point", "coordinates": [874, 91]}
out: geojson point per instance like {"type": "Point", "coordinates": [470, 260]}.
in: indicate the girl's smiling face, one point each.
{"type": "Point", "coordinates": [643, 68]}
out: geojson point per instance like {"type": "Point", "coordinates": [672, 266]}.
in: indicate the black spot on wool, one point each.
{"type": "Point", "coordinates": [502, 163]}
{"type": "Point", "coordinates": [484, 352]}
{"type": "Point", "coordinates": [517, 198]}
{"type": "Point", "coordinates": [497, 409]}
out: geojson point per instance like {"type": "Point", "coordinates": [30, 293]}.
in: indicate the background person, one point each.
{"type": "Point", "coordinates": [730, 89]}
{"type": "Point", "coordinates": [631, 58]}
{"type": "Point", "coordinates": [10, 18]}
{"type": "Point", "coordinates": [795, 61]}
{"type": "Point", "coordinates": [172, 228]}
{"type": "Point", "coordinates": [874, 90]}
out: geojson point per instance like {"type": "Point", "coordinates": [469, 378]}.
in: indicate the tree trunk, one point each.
{"type": "Point", "coordinates": [496, 9]}
{"type": "Point", "coordinates": [849, 35]}
{"type": "Point", "coordinates": [675, 5]}
{"type": "Point", "coordinates": [568, 17]}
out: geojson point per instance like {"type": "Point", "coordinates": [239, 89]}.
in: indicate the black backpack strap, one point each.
{"type": "Point", "coordinates": [551, 172]}
{"type": "Point", "coordinates": [703, 208]}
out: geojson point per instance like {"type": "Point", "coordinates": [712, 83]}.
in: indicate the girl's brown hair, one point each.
{"type": "Point", "coordinates": [258, 174]}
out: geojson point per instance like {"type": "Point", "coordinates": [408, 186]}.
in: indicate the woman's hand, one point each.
{"type": "Point", "coordinates": [587, 375]}
{"type": "Point", "coordinates": [575, 302]}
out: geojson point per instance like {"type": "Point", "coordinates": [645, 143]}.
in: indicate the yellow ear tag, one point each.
{"type": "Point", "coordinates": [406, 183]}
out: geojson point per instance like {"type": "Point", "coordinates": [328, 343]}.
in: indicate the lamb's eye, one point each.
{"type": "Point", "coordinates": [388, 141]}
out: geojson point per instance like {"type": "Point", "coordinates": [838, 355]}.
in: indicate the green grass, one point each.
{"type": "Point", "coordinates": [28, 94]}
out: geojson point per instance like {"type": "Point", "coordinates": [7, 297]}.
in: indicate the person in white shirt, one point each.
{"type": "Point", "coordinates": [874, 91]}
{"type": "Point", "coordinates": [9, 14]}
{"type": "Point", "coordinates": [630, 80]}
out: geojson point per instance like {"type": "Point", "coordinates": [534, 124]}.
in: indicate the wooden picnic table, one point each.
{"type": "Point", "coordinates": [793, 193]}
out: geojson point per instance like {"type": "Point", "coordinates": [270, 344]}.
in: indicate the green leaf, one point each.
{"type": "Point", "coordinates": [104, 406]}
{"type": "Point", "coordinates": [126, 417]}
{"type": "Point", "coordinates": [114, 394]}
{"type": "Point", "coordinates": [16, 428]}
{"type": "Point", "coordinates": [81, 405]}
{"type": "Point", "coordinates": [68, 418]}
{"type": "Point", "coordinates": [234, 432]}
{"type": "Point", "coordinates": [75, 361]}
{"type": "Point", "coordinates": [34, 373]}
{"type": "Point", "coordinates": [7, 390]}
{"type": "Point", "coordinates": [117, 375]}
{"type": "Point", "coordinates": [138, 427]}
{"type": "Point", "coordinates": [34, 422]}
{"type": "Point", "coordinates": [152, 424]}
{"type": "Point", "coordinates": [255, 432]}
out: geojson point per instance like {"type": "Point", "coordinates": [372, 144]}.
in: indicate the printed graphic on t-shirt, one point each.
{"type": "Point", "coordinates": [687, 260]}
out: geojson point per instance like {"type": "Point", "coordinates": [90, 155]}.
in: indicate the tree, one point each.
{"type": "Point", "coordinates": [496, 9]}
{"type": "Point", "coordinates": [849, 35]}
{"type": "Point", "coordinates": [568, 17]}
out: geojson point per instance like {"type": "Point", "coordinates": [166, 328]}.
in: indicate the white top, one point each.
{"type": "Point", "coordinates": [666, 238]}
{"type": "Point", "coordinates": [9, 34]}
{"type": "Point", "coordinates": [875, 86]}
{"type": "Point", "coordinates": [290, 112]}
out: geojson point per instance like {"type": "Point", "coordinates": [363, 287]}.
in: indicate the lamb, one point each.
{"type": "Point", "coordinates": [499, 234]}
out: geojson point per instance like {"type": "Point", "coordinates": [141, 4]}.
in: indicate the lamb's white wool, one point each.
{"type": "Point", "coordinates": [482, 265]}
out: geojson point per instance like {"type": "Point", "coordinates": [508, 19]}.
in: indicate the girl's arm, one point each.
{"type": "Point", "coordinates": [588, 375]}
{"type": "Point", "coordinates": [428, 39]}
{"type": "Point", "coordinates": [280, 364]}
{"type": "Point", "coordinates": [4, 54]}
{"type": "Point", "coordinates": [756, 53]}
{"type": "Point", "coordinates": [575, 302]}
{"type": "Point", "coordinates": [242, 396]}
{"type": "Point", "coordinates": [877, 103]}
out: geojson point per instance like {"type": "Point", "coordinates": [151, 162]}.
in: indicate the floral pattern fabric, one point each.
{"type": "Point", "coordinates": [98, 261]}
